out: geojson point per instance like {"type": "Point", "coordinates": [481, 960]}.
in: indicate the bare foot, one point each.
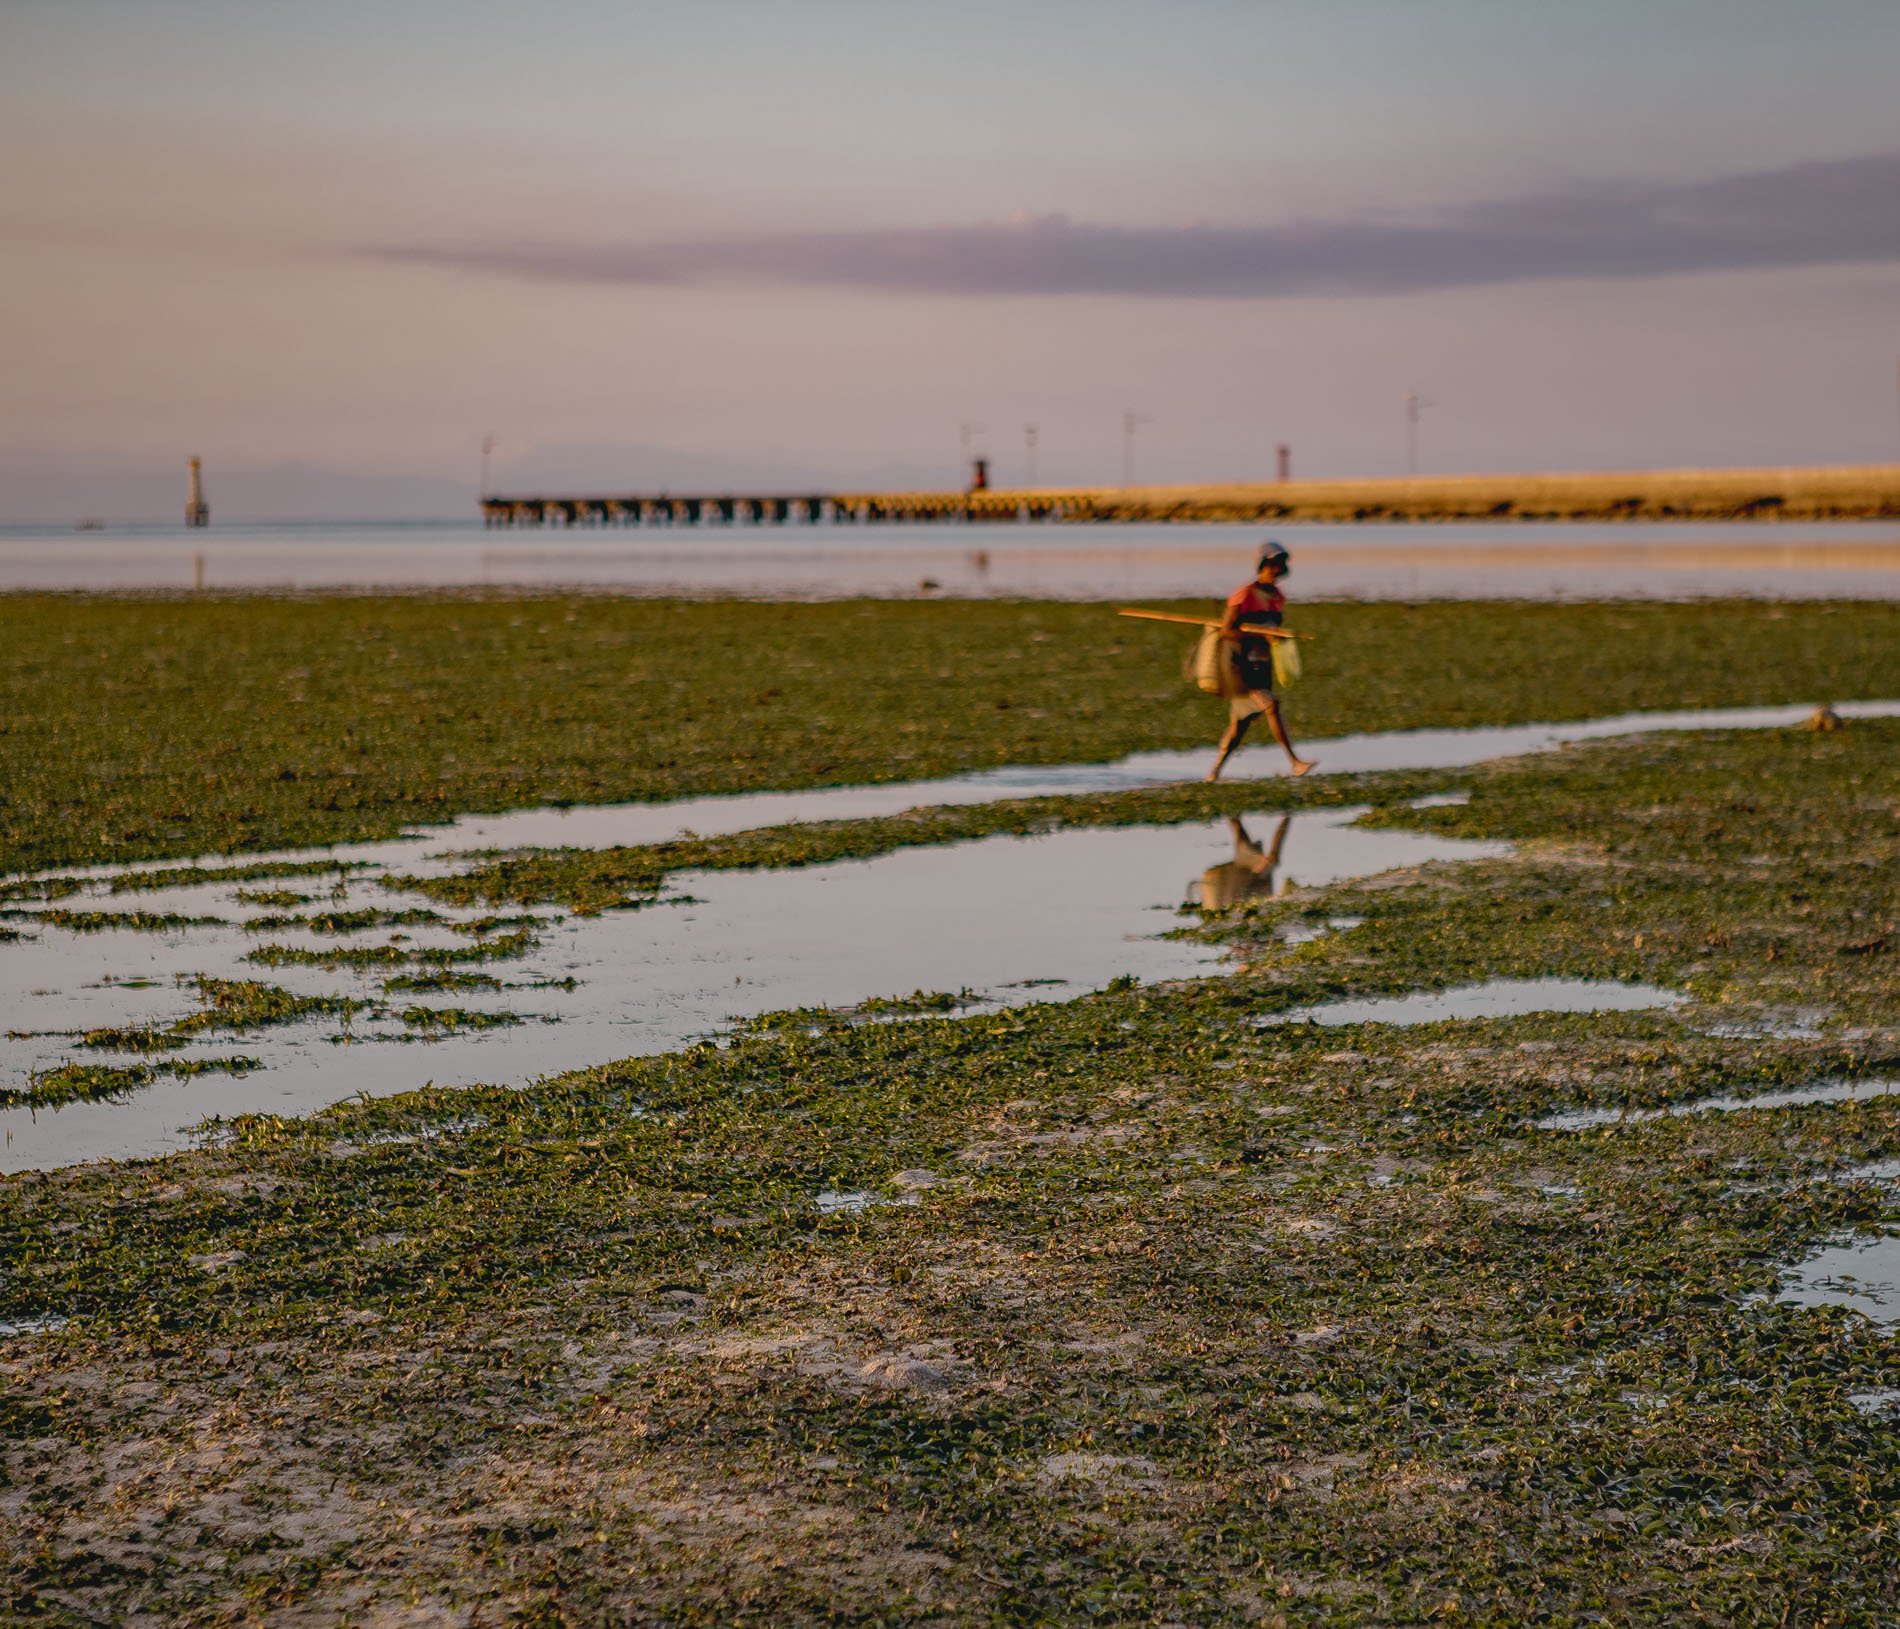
{"type": "Point", "coordinates": [1213, 774]}
{"type": "Point", "coordinates": [1302, 765]}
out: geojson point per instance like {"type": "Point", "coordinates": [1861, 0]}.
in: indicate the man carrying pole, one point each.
{"type": "Point", "coordinates": [1258, 604]}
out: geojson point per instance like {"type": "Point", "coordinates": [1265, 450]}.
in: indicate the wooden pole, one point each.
{"type": "Point", "coordinates": [1203, 622]}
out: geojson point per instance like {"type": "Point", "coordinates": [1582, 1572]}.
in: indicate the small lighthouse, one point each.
{"type": "Point", "coordinates": [197, 511]}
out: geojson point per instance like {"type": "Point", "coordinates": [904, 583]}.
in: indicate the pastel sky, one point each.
{"type": "Point", "coordinates": [817, 237]}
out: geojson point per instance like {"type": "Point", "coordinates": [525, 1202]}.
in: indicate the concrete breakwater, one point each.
{"type": "Point", "coordinates": [1831, 492]}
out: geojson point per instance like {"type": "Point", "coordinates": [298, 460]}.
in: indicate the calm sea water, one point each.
{"type": "Point", "coordinates": [1858, 560]}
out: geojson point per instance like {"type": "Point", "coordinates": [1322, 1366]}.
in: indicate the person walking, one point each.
{"type": "Point", "coordinates": [1258, 604]}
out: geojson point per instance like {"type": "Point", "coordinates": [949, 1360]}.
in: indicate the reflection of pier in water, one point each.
{"type": "Point", "coordinates": [1060, 564]}
{"type": "Point", "coordinates": [1010, 561]}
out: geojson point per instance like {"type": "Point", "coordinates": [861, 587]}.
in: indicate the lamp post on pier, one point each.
{"type": "Point", "coordinates": [1131, 421]}
{"type": "Point", "coordinates": [1415, 404]}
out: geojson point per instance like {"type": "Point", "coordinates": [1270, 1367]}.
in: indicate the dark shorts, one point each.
{"type": "Point", "coordinates": [1255, 668]}
{"type": "Point", "coordinates": [1253, 671]}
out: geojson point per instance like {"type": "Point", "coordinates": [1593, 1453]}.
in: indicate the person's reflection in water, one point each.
{"type": "Point", "coordinates": [1249, 874]}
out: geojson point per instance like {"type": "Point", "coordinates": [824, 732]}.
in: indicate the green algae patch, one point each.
{"type": "Point", "coordinates": [245, 1004]}
{"type": "Point", "coordinates": [237, 1006]}
{"type": "Point", "coordinates": [275, 898]}
{"type": "Point", "coordinates": [504, 947]}
{"type": "Point", "coordinates": [112, 1083]}
{"type": "Point", "coordinates": [919, 1002]}
{"type": "Point", "coordinates": [229, 1005]}
{"type": "Point", "coordinates": [449, 1020]}
{"type": "Point", "coordinates": [132, 1038]}
{"type": "Point", "coordinates": [340, 923]}
{"type": "Point", "coordinates": [439, 981]}
{"type": "Point", "coordinates": [145, 728]}
{"type": "Point", "coordinates": [185, 876]}
{"type": "Point", "coordinates": [41, 888]}
{"type": "Point", "coordinates": [1133, 1307]}
{"type": "Point", "coordinates": [132, 921]}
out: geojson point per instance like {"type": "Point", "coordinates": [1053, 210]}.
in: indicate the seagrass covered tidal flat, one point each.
{"type": "Point", "coordinates": [579, 944]}
{"type": "Point", "coordinates": [137, 729]}
{"type": "Point", "coordinates": [1141, 1305]}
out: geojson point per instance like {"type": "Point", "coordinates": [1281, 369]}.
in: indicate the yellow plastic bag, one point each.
{"type": "Point", "coordinates": [1286, 663]}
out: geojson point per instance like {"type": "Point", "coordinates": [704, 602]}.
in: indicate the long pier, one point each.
{"type": "Point", "coordinates": [1827, 492]}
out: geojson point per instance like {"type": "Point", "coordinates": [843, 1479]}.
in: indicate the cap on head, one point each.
{"type": "Point", "coordinates": [1272, 554]}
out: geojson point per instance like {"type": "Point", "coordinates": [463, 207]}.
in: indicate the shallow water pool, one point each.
{"type": "Point", "coordinates": [1862, 1274]}
{"type": "Point", "coordinates": [1837, 1091]}
{"type": "Point", "coordinates": [1495, 998]}
{"type": "Point", "coordinates": [1011, 919]}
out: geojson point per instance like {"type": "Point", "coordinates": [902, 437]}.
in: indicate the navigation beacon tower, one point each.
{"type": "Point", "coordinates": [197, 511]}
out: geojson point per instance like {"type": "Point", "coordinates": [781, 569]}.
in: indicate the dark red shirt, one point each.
{"type": "Point", "coordinates": [1255, 606]}
{"type": "Point", "coordinates": [1258, 606]}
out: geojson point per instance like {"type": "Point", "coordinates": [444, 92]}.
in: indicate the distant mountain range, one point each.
{"type": "Point", "coordinates": [63, 492]}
